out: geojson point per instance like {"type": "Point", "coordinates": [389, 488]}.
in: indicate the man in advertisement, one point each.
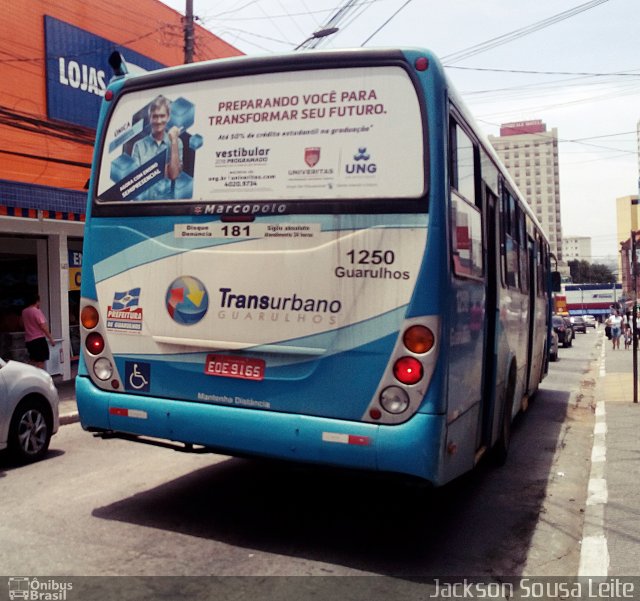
{"type": "Point", "coordinates": [157, 142]}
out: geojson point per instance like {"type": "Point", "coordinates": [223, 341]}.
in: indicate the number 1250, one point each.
{"type": "Point", "coordinates": [372, 257]}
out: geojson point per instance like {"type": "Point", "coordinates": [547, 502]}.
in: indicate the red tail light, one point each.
{"type": "Point", "coordinates": [94, 343]}
{"type": "Point", "coordinates": [408, 370]}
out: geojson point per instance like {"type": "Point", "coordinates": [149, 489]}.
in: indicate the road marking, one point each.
{"type": "Point", "coordinates": [597, 492]}
{"type": "Point", "coordinates": [594, 553]}
{"type": "Point", "coordinates": [594, 556]}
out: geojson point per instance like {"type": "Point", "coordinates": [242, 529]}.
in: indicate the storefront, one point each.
{"type": "Point", "coordinates": [41, 251]}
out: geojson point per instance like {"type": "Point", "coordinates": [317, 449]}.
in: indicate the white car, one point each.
{"type": "Point", "coordinates": [590, 321]}
{"type": "Point", "coordinates": [28, 411]}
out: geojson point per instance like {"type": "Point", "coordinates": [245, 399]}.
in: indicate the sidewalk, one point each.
{"type": "Point", "coordinates": [613, 511]}
{"type": "Point", "coordinates": [67, 394]}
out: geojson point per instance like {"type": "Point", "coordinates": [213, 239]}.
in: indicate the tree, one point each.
{"type": "Point", "coordinates": [601, 274]}
{"type": "Point", "coordinates": [586, 273]}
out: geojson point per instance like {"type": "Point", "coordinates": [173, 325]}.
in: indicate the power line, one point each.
{"type": "Point", "coordinates": [68, 132]}
{"type": "Point", "coordinates": [455, 57]}
{"type": "Point", "coordinates": [324, 11]}
{"type": "Point", "coordinates": [626, 73]}
{"type": "Point", "coordinates": [332, 24]}
{"type": "Point", "coordinates": [47, 159]}
{"type": "Point", "coordinates": [385, 23]}
{"type": "Point", "coordinates": [622, 133]}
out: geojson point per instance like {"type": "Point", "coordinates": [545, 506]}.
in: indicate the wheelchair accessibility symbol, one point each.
{"type": "Point", "coordinates": [137, 376]}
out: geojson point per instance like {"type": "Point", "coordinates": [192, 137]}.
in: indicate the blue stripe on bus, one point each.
{"type": "Point", "coordinates": [162, 245]}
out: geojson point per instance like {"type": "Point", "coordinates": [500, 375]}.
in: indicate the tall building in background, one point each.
{"type": "Point", "coordinates": [576, 248]}
{"type": "Point", "coordinates": [530, 153]}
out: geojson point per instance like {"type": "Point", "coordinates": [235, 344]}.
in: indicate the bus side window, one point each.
{"type": "Point", "coordinates": [462, 163]}
{"type": "Point", "coordinates": [466, 238]}
{"type": "Point", "coordinates": [526, 270]}
{"type": "Point", "coordinates": [503, 234]}
{"type": "Point", "coordinates": [540, 271]}
{"type": "Point", "coordinates": [490, 173]}
{"type": "Point", "coordinates": [466, 204]}
{"type": "Point", "coordinates": [510, 244]}
{"type": "Point", "coordinates": [525, 251]}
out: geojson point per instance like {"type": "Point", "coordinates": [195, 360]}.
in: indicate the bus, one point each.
{"type": "Point", "coordinates": [598, 300]}
{"type": "Point", "coordinates": [323, 261]}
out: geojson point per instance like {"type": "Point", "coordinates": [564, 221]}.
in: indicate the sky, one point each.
{"type": "Point", "coordinates": [574, 64]}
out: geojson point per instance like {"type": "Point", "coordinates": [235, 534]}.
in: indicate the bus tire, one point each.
{"type": "Point", "coordinates": [501, 448]}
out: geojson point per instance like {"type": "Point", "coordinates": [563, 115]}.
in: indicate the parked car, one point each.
{"type": "Point", "coordinates": [564, 330]}
{"type": "Point", "coordinates": [578, 324]}
{"type": "Point", "coordinates": [590, 320]}
{"type": "Point", "coordinates": [28, 411]}
{"type": "Point", "coordinates": [553, 346]}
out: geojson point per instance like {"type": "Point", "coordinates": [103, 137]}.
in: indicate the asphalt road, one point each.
{"type": "Point", "coordinates": [111, 507]}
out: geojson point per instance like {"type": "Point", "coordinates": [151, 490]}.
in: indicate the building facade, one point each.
{"type": "Point", "coordinates": [627, 221]}
{"type": "Point", "coordinates": [627, 216]}
{"type": "Point", "coordinates": [530, 153]}
{"type": "Point", "coordinates": [576, 248]}
{"type": "Point", "coordinates": [54, 70]}
{"type": "Point", "coordinates": [629, 283]}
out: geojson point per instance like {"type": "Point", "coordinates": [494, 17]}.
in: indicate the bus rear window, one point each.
{"type": "Point", "coordinates": [318, 134]}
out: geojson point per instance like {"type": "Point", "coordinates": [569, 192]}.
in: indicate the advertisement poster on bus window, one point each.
{"type": "Point", "coordinates": [341, 133]}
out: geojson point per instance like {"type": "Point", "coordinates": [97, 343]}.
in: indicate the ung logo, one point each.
{"type": "Point", "coordinates": [361, 155]}
{"type": "Point", "coordinates": [361, 164]}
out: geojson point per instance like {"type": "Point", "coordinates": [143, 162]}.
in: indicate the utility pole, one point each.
{"type": "Point", "coordinates": [634, 321]}
{"type": "Point", "coordinates": [188, 32]}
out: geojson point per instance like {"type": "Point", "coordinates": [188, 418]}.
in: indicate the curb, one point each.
{"type": "Point", "coordinates": [69, 418]}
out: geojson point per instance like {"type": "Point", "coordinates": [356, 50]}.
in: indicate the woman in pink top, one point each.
{"type": "Point", "coordinates": [36, 333]}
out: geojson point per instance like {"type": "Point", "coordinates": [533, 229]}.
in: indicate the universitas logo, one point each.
{"type": "Point", "coordinates": [187, 300]}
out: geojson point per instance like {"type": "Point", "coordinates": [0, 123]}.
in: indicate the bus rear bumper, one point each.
{"type": "Point", "coordinates": [412, 448]}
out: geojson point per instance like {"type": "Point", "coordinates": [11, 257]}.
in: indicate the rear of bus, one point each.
{"type": "Point", "coordinates": [276, 297]}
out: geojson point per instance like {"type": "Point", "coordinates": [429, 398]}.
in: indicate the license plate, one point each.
{"type": "Point", "coordinates": [228, 366]}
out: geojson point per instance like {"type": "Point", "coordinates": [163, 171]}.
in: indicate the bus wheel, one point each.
{"type": "Point", "coordinates": [501, 448]}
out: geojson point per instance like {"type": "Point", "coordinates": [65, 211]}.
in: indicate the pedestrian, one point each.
{"type": "Point", "coordinates": [614, 321]}
{"type": "Point", "coordinates": [36, 332]}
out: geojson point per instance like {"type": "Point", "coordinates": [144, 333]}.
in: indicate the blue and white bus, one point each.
{"type": "Point", "coordinates": [322, 261]}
